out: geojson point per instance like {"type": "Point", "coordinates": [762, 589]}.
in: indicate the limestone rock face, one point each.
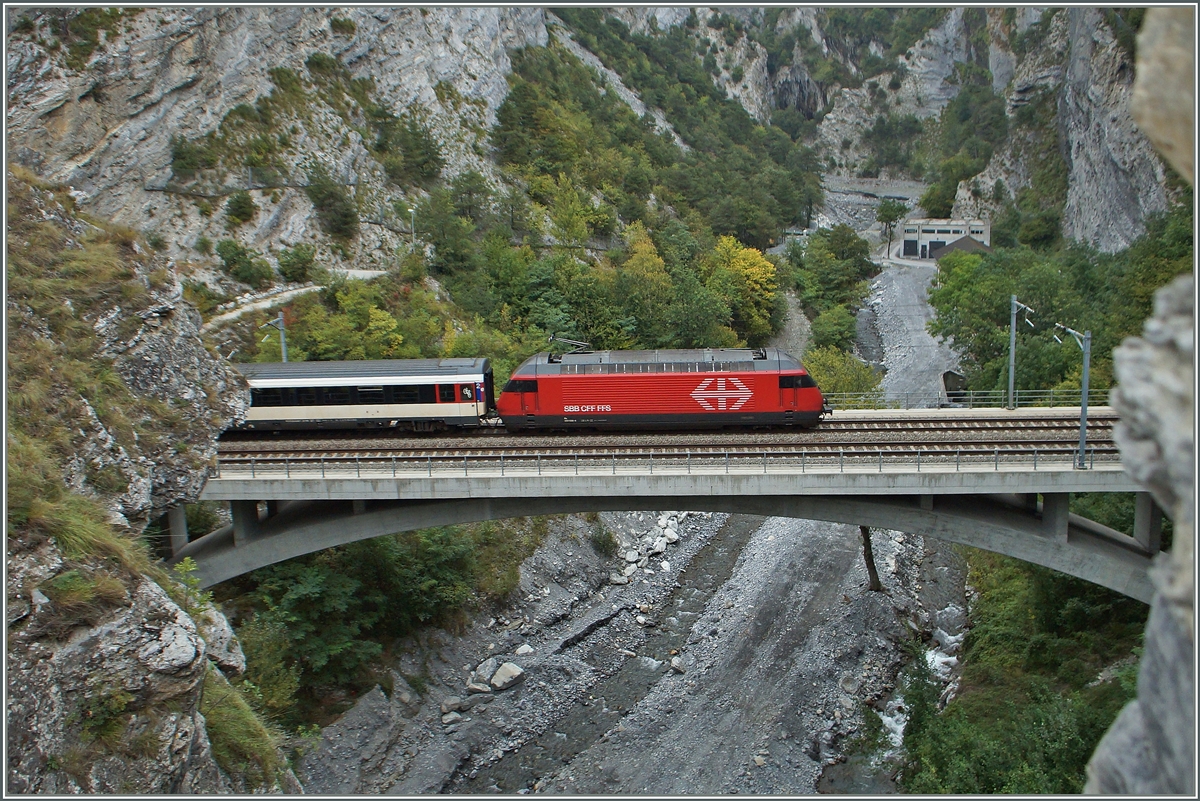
{"type": "Point", "coordinates": [106, 129]}
{"type": "Point", "coordinates": [143, 661]}
{"type": "Point", "coordinates": [1114, 178]}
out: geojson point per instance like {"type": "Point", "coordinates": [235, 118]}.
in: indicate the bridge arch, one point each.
{"type": "Point", "coordinates": [1018, 525]}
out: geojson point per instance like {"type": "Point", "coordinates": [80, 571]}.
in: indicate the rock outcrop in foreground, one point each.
{"type": "Point", "coordinates": [105, 669]}
{"type": "Point", "coordinates": [1151, 748]}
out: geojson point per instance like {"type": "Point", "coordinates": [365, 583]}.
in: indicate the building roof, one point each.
{"type": "Point", "coordinates": [966, 244]}
{"type": "Point", "coordinates": [945, 221]}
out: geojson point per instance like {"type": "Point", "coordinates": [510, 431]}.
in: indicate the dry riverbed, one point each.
{"type": "Point", "coordinates": [742, 665]}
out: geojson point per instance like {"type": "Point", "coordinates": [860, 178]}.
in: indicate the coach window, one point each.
{"type": "Point", "coordinates": [272, 396]}
{"type": "Point", "coordinates": [445, 393]}
{"type": "Point", "coordinates": [466, 392]}
{"type": "Point", "coordinates": [306, 396]}
{"type": "Point", "coordinates": [337, 396]}
{"type": "Point", "coordinates": [405, 394]}
{"type": "Point", "coordinates": [370, 394]}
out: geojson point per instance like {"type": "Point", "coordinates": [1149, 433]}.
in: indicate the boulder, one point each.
{"type": "Point", "coordinates": [483, 673]}
{"type": "Point", "coordinates": [508, 675]}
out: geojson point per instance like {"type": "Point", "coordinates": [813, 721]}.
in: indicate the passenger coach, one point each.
{"type": "Point", "coordinates": [661, 389]}
{"type": "Point", "coordinates": [406, 394]}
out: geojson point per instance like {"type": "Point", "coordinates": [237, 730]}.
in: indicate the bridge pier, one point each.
{"type": "Point", "coordinates": [1056, 511]}
{"type": "Point", "coordinates": [177, 525]}
{"type": "Point", "coordinates": [1147, 522]}
{"type": "Point", "coordinates": [245, 521]}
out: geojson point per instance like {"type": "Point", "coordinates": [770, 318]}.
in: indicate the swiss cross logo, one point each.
{"type": "Point", "coordinates": [729, 394]}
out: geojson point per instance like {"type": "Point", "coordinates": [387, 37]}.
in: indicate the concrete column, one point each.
{"type": "Point", "coordinates": [359, 507]}
{"type": "Point", "coordinates": [927, 503]}
{"type": "Point", "coordinates": [1055, 511]}
{"type": "Point", "coordinates": [1147, 523]}
{"type": "Point", "coordinates": [245, 521]}
{"type": "Point", "coordinates": [177, 523]}
{"type": "Point", "coordinates": [272, 508]}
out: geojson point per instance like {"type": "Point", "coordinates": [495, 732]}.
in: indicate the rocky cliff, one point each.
{"type": "Point", "coordinates": [1066, 58]}
{"type": "Point", "coordinates": [1114, 178]}
{"type": "Point", "coordinates": [104, 125]}
{"type": "Point", "coordinates": [105, 668]}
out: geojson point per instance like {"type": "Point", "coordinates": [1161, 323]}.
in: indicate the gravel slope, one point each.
{"type": "Point", "coordinates": [913, 358]}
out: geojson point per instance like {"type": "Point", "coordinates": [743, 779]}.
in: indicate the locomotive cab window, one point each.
{"type": "Point", "coordinates": [521, 385]}
{"type": "Point", "coordinates": [796, 382]}
{"type": "Point", "coordinates": [445, 393]}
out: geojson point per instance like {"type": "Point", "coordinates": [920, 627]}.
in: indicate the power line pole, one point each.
{"type": "Point", "coordinates": [1012, 344]}
{"type": "Point", "coordinates": [278, 323]}
{"type": "Point", "coordinates": [1085, 342]}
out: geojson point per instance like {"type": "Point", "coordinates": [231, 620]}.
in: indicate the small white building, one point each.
{"type": "Point", "coordinates": [922, 237]}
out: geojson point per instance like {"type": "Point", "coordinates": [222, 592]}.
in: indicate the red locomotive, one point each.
{"type": "Point", "coordinates": [661, 389]}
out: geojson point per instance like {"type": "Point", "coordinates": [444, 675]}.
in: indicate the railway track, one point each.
{"type": "Point", "coordinates": [1057, 434]}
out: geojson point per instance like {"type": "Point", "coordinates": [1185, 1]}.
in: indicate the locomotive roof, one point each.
{"type": "Point", "coordinates": [704, 358]}
{"type": "Point", "coordinates": [366, 368]}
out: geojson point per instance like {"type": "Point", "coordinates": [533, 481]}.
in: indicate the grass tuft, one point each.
{"type": "Point", "coordinates": [241, 743]}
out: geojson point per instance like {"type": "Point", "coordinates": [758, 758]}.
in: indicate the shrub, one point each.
{"type": "Point", "coordinates": [603, 542]}
{"type": "Point", "coordinates": [188, 157]}
{"type": "Point", "coordinates": [244, 264]}
{"type": "Point", "coordinates": [203, 298]}
{"type": "Point", "coordinates": [296, 263]}
{"type": "Point", "coordinates": [336, 212]}
{"type": "Point", "coordinates": [203, 245]}
{"type": "Point", "coordinates": [240, 208]}
{"type": "Point", "coordinates": [343, 26]}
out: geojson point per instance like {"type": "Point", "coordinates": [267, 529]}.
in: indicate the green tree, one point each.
{"type": "Point", "coordinates": [834, 328]}
{"type": "Point", "coordinates": [644, 288]}
{"type": "Point", "coordinates": [840, 373]}
{"type": "Point", "coordinates": [745, 281]}
{"type": "Point", "coordinates": [888, 213]}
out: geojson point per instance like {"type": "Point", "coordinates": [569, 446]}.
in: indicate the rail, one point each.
{"type": "Point", "coordinates": [965, 399]}
{"type": "Point", "coordinates": [801, 461]}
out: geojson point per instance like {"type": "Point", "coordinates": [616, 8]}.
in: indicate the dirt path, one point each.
{"type": "Point", "coordinates": [796, 331]}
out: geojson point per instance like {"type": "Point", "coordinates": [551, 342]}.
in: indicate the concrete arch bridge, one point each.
{"type": "Point", "coordinates": [1012, 501]}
